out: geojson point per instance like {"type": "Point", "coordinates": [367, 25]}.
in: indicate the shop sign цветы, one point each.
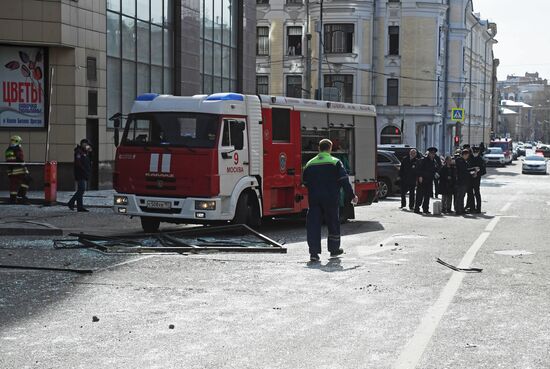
{"type": "Point", "coordinates": [22, 99]}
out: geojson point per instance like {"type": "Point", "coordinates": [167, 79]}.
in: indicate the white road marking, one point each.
{"type": "Point", "coordinates": [492, 224]}
{"type": "Point", "coordinates": [413, 351]}
{"type": "Point", "coordinates": [415, 348]}
{"type": "Point", "coordinates": [506, 207]}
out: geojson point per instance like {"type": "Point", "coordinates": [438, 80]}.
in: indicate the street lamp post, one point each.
{"type": "Point", "coordinates": [321, 50]}
{"type": "Point", "coordinates": [485, 84]}
{"type": "Point", "coordinates": [470, 80]}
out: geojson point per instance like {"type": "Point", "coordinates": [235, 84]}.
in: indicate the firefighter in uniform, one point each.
{"type": "Point", "coordinates": [18, 174]}
{"type": "Point", "coordinates": [324, 176]}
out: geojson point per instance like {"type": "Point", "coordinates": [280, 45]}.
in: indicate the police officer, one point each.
{"type": "Point", "coordinates": [18, 175]}
{"type": "Point", "coordinates": [324, 176]}
{"type": "Point", "coordinates": [476, 165]}
{"type": "Point", "coordinates": [463, 180]}
{"type": "Point", "coordinates": [407, 176]}
{"type": "Point", "coordinates": [427, 170]}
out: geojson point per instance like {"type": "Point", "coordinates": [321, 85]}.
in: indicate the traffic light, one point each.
{"type": "Point", "coordinates": [457, 140]}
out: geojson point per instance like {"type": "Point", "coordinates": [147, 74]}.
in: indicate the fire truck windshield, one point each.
{"type": "Point", "coordinates": [191, 130]}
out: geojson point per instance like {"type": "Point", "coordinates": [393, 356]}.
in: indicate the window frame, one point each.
{"type": "Point", "coordinates": [268, 46]}
{"type": "Point", "coordinates": [394, 35]}
{"type": "Point", "coordinates": [348, 84]}
{"type": "Point", "coordinates": [258, 92]}
{"type": "Point", "coordinates": [392, 100]}
{"type": "Point", "coordinates": [294, 85]}
{"type": "Point", "coordinates": [329, 38]}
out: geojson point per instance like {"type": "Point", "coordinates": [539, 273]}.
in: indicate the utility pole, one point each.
{"type": "Point", "coordinates": [446, 81]}
{"type": "Point", "coordinates": [307, 92]}
{"type": "Point", "coordinates": [321, 50]}
{"type": "Point", "coordinates": [485, 85]}
{"type": "Point", "coordinates": [470, 81]}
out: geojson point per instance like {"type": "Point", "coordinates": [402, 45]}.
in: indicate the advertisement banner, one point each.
{"type": "Point", "coordinates": [22, 93]}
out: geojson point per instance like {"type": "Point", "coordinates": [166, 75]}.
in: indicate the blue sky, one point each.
{"type": "Point", "coordinates": [523, 36]}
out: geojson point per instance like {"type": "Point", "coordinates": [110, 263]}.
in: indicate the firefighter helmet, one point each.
{"type": "Point", "coordinates": [15, 140]}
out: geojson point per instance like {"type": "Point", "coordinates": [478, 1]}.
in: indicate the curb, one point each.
{"type": "Point", "coordinates": [5, 231]}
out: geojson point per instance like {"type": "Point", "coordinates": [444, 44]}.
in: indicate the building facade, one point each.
{"type": "Point", "coordinates": [70, 65]}
{"type": "Point", "coordinates": [414, 60]}
{"type": "Point", "coordinates": [519, 92]}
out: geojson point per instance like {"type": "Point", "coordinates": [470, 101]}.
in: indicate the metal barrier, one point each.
{"type": "Point", "coordinates": [50, 179]}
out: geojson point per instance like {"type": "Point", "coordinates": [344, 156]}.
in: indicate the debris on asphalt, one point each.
{"type": "Point", "coordinates": [456, 269]}
{"type": "Point", "coordinates": [396, 244]}
{"type": "Point", "coordinates": [95, 319]}
{"type": "Point", "coordinates": [24, 267]}
{"type": "Point", "coordinates": [231, 238]}
{"type": "Point", "coordinates": [171, 326]}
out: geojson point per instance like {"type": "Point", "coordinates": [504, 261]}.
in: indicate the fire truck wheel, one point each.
{"type": "Point", "coordinates": [150, 225]}
{"type": "Point", "coordinates": [248, 211]}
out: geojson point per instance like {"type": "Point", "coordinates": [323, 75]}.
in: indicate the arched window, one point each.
{"type": "Point", "coordinates": [391, 135]}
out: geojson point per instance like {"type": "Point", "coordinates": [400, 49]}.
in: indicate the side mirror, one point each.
{"type": "Point", "coordinates": [117, 137]}
{"type": "Point", "coordinates": [116, 118]}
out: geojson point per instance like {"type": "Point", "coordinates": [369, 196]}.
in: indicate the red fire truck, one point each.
{"type": "Point", "coordinates": [234, 158]}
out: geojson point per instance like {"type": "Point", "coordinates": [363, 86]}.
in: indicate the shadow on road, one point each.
{"type": "Point", "coordinates": [333, 265]}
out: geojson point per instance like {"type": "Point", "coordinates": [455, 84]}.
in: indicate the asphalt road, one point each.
{"type": "Point", "coordinates": [386, 303]}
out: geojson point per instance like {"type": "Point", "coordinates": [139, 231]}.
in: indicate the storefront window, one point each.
{"type": "Point", "coordinates": [218, 46]}
{"type": "Point", "coordinates": [139, 51]}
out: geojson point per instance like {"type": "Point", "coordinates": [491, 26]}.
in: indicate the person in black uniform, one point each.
{"type": "Point", "coordinates": [427, 170]}
{"type": "Point", "coordinates": [447, 178]}
{"type": "Point", "coordinates": [463, 180]}
{"type": "Point", "coordinates": [324, 176]}
{"type": "Point", "coordinates": [476, 165]}
{"type": "Point", "coordinates": [407, 176]}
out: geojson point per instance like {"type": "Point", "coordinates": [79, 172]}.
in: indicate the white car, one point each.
{"type": "Point", "coordinates": [494, 156]}
{"type": "Point", "coordinates": [534, 164]}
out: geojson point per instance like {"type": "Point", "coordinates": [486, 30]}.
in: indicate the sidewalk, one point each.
{"type": "Point", "coordinates": [92, 199]}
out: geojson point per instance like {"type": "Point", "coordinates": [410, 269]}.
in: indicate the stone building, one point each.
{"type": "Point", "coordinates": [414, 60]}
{"type": "Point", "coordinates": [76, 63]}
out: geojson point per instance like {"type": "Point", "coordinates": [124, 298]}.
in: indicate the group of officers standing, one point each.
{"type": "Point", "coordinates": [453, 177]}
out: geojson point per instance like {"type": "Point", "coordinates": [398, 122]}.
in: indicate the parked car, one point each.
{"type": "Point", "coordinates": [494, 156]}
{"type": "Point", "coordinates": [521, 149]}
{"type": "Point", "coordinates": [400, 151]}
{"type": "Point", "coordinates": [544, 150]}
{"type": "Point", "coordinates": [534, 164]}
{"type": "Point", "coordinates": [388, 173]}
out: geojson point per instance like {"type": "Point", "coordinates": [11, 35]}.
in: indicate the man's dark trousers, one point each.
{"type": "Point", "coordinates": [476, 195]}
{"type": "Point", "coordinates": [79, 194]}
{"type": "Point", "coordinates": [319, 210]}
{"type": "Point", "coordinates": [459, 198]}
{"type": "Point", "coordinates": [410, 188]}
{"type": "Point", "coordinates": [423, 194]}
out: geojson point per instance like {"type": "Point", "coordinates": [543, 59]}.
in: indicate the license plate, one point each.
{"type": "Point", "coordinates": [159, 204]}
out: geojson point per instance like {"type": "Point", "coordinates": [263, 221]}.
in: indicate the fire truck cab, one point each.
{"type": "Point", "coordinates": [236, 158]}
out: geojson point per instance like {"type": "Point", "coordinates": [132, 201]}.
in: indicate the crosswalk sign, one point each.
{"type": "Point", "coordinates": [457, 115]}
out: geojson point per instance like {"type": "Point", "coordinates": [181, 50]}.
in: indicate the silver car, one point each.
{"type": "Point", "coordinates": [534, 164]}
{"type": "Point", "coordinates": [494, 156]}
